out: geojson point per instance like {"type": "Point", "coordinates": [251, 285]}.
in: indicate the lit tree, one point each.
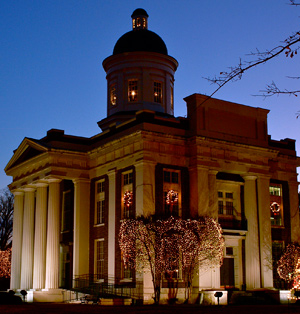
{"type": "Point", "coordinates": [6, 218]}
{"type": "Point", "coordinates": [289, 265]}
{"type": "Point", "coordinates": [165, 246]}
{"type": "Point", "coordinates": [205, 252]}
{"type": "Point", "coordinates": [5, 263]}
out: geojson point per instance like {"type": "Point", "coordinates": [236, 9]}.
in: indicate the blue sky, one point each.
{"type": "Point", "coordinates": [51, 55]}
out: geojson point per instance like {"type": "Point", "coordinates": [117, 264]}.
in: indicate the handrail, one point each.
{"type": "Point", "coordinates": [109, 287]}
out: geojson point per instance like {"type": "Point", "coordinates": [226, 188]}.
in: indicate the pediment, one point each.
{"type": "Point", "coordinates": [28, 149]}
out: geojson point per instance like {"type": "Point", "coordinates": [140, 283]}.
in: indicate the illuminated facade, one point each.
{"type": "Point", "coordinates": [72, 192]}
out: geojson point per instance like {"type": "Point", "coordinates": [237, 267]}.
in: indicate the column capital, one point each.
{"type": "Point", "coordinates": [29, 188]}
{"type": "Point", "coordinates": [111, 172]}
{"type": "Point", "coordinates": [54, 180]}
{"type": "Point", "coordinates": [41, 184]}
{"type": "Point", "coordinates": [81, 180]}
{"type": "Point", "coordinates": [249, 177]}
{"type": "Point", "coordinates": [212, 172]}
{"type": "Point", "coordinates": [18, 192]}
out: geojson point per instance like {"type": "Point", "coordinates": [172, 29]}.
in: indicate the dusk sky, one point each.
{"type": "Point", "coordinates": [51, 54]}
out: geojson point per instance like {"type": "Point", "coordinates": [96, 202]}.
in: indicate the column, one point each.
{"type": "Point", "coordinates": [81, 227]}
{"type": "Point", "coordinates": [111, 222]}
{"type": "Point", "coordinates": [15, 278]}
{"type": "Point", "coordinates": [199, 191]}
{"type": "Point", "coordinates": [252, 253]}
{"type": "Point", "coordinates": [53, 232]}
{"type": "Point", "coordinates": [144, 192]}
{"type": "Point", "coordinates": [28, 239]}
{"type": "Point", "coordinates": [213, 194]}
{"type": "Point", "coordinates": [294, 209]}
{"type": "Point", "coordinates": [263, 184]}
{"type": "Point", "coordinates": [39, 269]}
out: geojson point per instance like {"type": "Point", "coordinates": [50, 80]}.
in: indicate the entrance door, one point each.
{"type": "Point", "coordinates": [227, 273]}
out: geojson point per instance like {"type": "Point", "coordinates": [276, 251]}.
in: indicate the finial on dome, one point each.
{"type": "Point", "coordinates": [139, 19]}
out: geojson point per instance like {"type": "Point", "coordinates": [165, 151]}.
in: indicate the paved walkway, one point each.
{"type": "Point", "coordinates": [47, 308]}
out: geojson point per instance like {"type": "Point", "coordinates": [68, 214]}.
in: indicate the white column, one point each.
{"type": "Point", "coordinates": [199, 191]}
{"type": "Point", "coordinates": [213, 193]}
{"type": "Point", "coordinates": [294, 209]}
{"type": "Point", "coordinates": [144, 192]}
{"type": "Point", "coordinates": [81, 227]}
{"type": "Point", "coordinates": [263, 184]}
{"type": "Point", "coordinates": [28, 239]}
{"type": "Point", "coordinates": [111, 222]}
{"type": "Point", "coordinates": [15, 278]}
{"type": "Point", "coordinates": [53, 232]}
{"type": "Point", "coordinates": [252, 237]}
{"type": "Point", "coordinates": [39, 269]}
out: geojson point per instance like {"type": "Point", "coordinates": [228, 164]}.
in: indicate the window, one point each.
{"type": "Point", "coordinates": [276, 205]}
{"type": "Point", "coordinates": [158, 92]}
{"type": "Point", "coordinates": [171, 190]}
{"type": "Point", "coordinates": [113, 95]}
{"type": "Point", "coordinates": [172, 99]}
{"type": "Point", "coordinates": [126, 272]}
{"type": "Point", "coordinates": [225, 203]}
{"type": "Point", "coordinates": [100, 202]}
{"type": "Point", "coordinates": [99, 259]}
{"type": "Point", "coordinates": [127, 195]}
{"type": "Point", "coordinates": [132, 90]}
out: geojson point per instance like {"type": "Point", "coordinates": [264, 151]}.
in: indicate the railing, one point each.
{"type": "Point", "coordinates": [232, 223]}
{"type": "Point", "coordinates": [109, 288]}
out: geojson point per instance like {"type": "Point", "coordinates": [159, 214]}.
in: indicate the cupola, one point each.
{"type": "Point", "coordinates": [139, 73]}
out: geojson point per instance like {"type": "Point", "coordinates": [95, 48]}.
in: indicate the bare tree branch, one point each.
{"type": "Point", "coordinates": [290, 48]}
{"type": "Point", "coordinates": [292, 2]}
{"type": "Point", "coordinates": [272, 89]}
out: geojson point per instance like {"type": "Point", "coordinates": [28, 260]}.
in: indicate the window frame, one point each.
{"type": "Point", "coordinates": [276, 198]}
{"type": "Point", "coordinates": [113, 95]}
{"type": "Point", "coordinates": [99, 216]}
{"type": "Point", "coordinates": [99, 263]}
{"type": "Point", "coordinates": [169, 185]}
{"type": "Point", "coordinates": [127, 181]}
{"type": "Point", "coordinates": [158, 92]}
{"type": "Point", "coordinates": [132, 90]}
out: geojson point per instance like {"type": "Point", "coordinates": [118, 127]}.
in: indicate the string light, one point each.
{"type": "Point", "coordinates": [289, 265]}
{"type": "Point", "coordinates": [172, 197]}
{"type": "Point", "coordinates": [275, 208]}
{"type": "Point", "coordinates": [5, 263]}
{"type": "Point", "coordinates": [162, 246]}
{"type": "Point", "coordinates": [127, 198]}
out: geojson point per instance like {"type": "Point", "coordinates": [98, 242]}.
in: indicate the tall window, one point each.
{"type": "Point", "coordinates": [127, 194]}
{"type": "Point", "coordinates": [113, 95]}
{"type": "Point", "coordinates": [126, 272]}
{"type": "Point", "coordinates": [276, 204]}
{"type": "Point", "coordinates": [225, 203]}
{"type": "Point", "coordinates": [100, 202]}
{"type": "Point", "coordinates": [172, 195]}
{"type": "Point", "coordinates": [172, 99]}
{"type": "Point", "coordinates": [132, 90]}
{"type": "Point", "coordinates": [157, 92]}
{"type": "Point", "coordinates": [99, 259]}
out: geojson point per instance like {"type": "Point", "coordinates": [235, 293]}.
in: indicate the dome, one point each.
{"type": "Point", "coordinates": [139, 12]}
{"type": "Point", "coordinates": [140, 40]}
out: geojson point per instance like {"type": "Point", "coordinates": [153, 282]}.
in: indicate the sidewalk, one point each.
{"type": "Point", "coordinates": [47, 308]}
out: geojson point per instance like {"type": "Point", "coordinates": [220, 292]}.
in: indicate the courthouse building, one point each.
{"type": "Point", "coordinates": [71, 193]}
